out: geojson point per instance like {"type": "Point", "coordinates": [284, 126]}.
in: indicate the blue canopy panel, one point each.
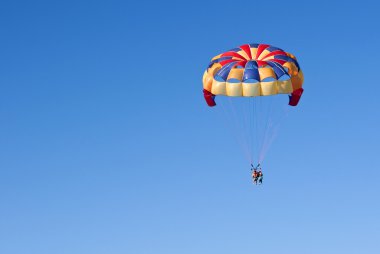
{"type": "Point", "coordinates": [224, 71]}
{"type": "Point", "coordinates": [271, 49]}
{"type": "Point", "coordinates": [278, 69]}
{"type": "Point", "coordinates": [234, 50]}
{"type": "Point", "coordinates": [288, 59]}
{"type": "Point", "coordinates": [251, 71]}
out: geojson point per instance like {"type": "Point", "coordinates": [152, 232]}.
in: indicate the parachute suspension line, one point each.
{"type": "Point", "coordinates": [253, 123]}
{"type": "Point", "coordinates": [267, 129]}
{"type": "Point", "coordinates": [232, 122]}
{"type": "Point", "coordinates": [251, 128]}
{"type": "Point", "coordinates": [260, 124]}
{"type": "Point", "coordinates": [241, 129]}
{"type": "Point", "coordinates": [273, 127]}
{"type": "Point", "coordinates": [254, 128]}
{"type": "Point", "coordinates": [266, 109]}
{"type": "Point", "coordinates": [248, 116]}
{"type": "Point", "coordinates": [258, 127]}
{"type": "Point", "coordinates": [244, 123]}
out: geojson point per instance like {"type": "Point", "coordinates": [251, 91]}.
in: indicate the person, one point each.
{"type": "Point", "coordinates": [258, 167]}
{"type": "Point", "coordinates": [260, 176]}
{"type": "Point", "coordinates": [254, 174]}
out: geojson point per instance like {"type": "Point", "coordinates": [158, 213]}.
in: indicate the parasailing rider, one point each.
{"type": "Point", "coordinates": [255, 174]}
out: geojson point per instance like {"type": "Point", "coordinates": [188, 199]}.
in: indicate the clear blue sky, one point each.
{"type": "Point", "coordinates": [107, 146]}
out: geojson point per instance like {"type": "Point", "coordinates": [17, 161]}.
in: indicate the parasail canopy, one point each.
{"type": "Point", "coordinates": [253, 70]}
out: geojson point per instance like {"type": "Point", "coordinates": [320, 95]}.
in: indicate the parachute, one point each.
{"type": "Point", "coordinates": [253, 77]}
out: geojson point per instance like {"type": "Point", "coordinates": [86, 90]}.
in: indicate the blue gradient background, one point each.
{"type": "Point", "coordinates": [107, 146]}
